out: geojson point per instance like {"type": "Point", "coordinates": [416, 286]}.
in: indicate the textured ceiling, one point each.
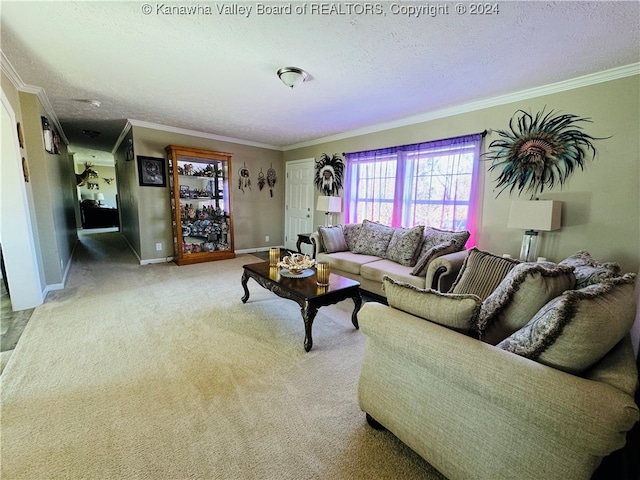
{"type": "Point", "coordinates": [215, 71]}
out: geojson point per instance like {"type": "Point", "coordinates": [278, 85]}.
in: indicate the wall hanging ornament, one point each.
{"type": "Point", "coordinates": [261, 180]}
{"type": "Point", "coordinates": [271, 179]}
{"type": "Point", "coordinates": [244, 181]}
{"type": "Point", "coordinates": [538, 152]}
{"type": "Point", "coordinates": [329, 174]}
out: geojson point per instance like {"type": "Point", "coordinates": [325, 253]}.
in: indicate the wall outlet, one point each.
{"type": "Point", "coordinates": [266, 238]}
{"type": "Point", "coordinates": [158, 247]}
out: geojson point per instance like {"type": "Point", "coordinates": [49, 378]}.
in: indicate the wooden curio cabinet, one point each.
{"type": "Point", "coordinates": [200, 204]}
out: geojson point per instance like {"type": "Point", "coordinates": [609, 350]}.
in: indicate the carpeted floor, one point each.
{"type": "Point", "coordinates": [161, 372]}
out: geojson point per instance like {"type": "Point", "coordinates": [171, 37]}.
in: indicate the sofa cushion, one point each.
{"type": "Point", "coordinates": [575, 330]}
{"type": "Point", "coordinates": [351, 233]}
{"type": "Point", "coordinates": [346, 261]}
{"type": "Point", "coordinates": [404, 245]}
{"type": "Point", "coordinates": [374, 239]}
{"type": "Point", "coordinates": [376, 271]}
{"type": "Point", "coordinates": [457, 312]}
{"type": "Point", "coordinates": [481, 273]}
{"type": "Point", "coordinates": [332, 239]}
{"type": "Point", "coordinates": [524, 291]}
{"type": "Point", "coordinates": [588, 270]}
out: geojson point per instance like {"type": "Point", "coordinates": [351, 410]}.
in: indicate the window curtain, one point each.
{"type": "Point", "coordinates": [432, 183]}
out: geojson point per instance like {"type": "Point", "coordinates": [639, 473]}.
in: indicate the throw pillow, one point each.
{"type": "Point", "coordinates": [457, 312]}
{"type": "Point", "coordinates": [435, 236]}
{"type": "Point", "coordinates": [333, 239]}
{"type": "Point", "coordinates": [588, 270]}
{"type": "Point", "coordinates": [438, 242]}
{"type": "Point", "coordinates": [420, 268]}
{"type": "Point", "coordinates": [374, 239]}
{"type": "Point", "coordinates": [403, 245]}
{"type": "Point", "coordinates": [524, 291]}
{"type": "Point", "coordinates": [481, 273]}
{"type": "Point", "coordinates": [351, 233]}
{"type": "Point", "coordinates": [574, 331]}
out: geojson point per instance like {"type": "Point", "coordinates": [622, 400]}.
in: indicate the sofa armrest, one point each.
{"type": "Point", "coordinates": [512, 392]}
{"type": "Point", "coordinates": [443, 270]}
{"type": "Point", "coordinates": [317, 244]}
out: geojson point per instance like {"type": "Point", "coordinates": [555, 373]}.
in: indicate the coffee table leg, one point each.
{"type": "Point", "coordinates": [308, 314]}
{"type": "Point", "coordinates": [245, 279]}
{"type": "Point", "coordinates": [357, 300]}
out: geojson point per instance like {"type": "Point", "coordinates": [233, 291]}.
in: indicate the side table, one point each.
{"type": "Point", "coordinates": [305, 238]}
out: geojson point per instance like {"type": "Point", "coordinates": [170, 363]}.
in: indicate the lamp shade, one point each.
{"type": "Point", "coordinates": [544, 215]}
{"type": "Point", "coordinates": [329, 204]}
{"type": "Point", "coordinates": [99, 196]}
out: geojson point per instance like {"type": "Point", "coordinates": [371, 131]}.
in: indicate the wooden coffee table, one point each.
{"type": "Point", "coordinates": [305, 292]}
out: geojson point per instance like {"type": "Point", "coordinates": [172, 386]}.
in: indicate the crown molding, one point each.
{"type": "Point", "coordinates": [195, 133]}
{"type": "Point", "coordinates": [122, 136]}
{"type": "Point", "coordinates": [39, 92]}
{"type": "Point", "coordinates": [586, 80]}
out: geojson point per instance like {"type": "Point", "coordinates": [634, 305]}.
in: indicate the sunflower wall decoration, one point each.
{"type": "Point", "coordinates": [329, 171]}
{"type": "Point", "coordinates": [541, 151]}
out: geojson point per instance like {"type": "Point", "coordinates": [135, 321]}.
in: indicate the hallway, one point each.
{"type": "Point", "coordinates": [98, 244]}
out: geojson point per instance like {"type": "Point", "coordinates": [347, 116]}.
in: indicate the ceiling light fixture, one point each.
{"type": "Point", "coordinates": [292, 76]}
{"type": "Point", "coordinates": [91, 133]}
{"type": "Point", "coordinates": [88, 101]}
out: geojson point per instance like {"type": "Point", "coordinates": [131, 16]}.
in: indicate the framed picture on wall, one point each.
{"type": "Point", "coordinates": [47, 135]}
{"type": "Point", "coordinates": [151, 172]}
{"type": "Point", "coordinates": [128, 153]}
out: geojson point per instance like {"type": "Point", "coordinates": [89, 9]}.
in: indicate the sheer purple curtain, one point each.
{"type": "Point", "coordinates": [432, 183]}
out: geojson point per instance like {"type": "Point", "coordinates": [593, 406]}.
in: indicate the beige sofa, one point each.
{"type": "Point", "coordinates": [430, 259]}
{"type": "Point", "coordinates": [478, 410]}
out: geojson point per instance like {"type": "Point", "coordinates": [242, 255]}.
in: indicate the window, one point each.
{"type": "Point", "coordinates": [432, 183]}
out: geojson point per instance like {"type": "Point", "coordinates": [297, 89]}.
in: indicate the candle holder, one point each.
{"type": "Point", "coordinates": [274, 257]}
{"type": "Point", "coordinates": [323, 272]}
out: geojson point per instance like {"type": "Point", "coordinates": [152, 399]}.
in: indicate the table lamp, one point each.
{"type": "Point", "coordinates": [534, 216]}
{"type": "Point", "coordinates": [329, 205]}
{"type": "Point", "coordinates": [99, 197]}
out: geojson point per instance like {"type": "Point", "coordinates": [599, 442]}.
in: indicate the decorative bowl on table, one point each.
{"type": "Point", "coordinates": [296, 263]}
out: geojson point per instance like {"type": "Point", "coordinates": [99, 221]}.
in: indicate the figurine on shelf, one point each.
{"type": "Point", "coordinates": [191, 213]}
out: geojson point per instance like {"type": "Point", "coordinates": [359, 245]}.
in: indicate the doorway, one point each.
{"type": "Point", "coordinates": [299, 195]}
{"type": "Point", "coordinates": [97, 191]}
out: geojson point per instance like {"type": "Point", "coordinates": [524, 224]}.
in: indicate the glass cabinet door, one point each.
{"type": "Point", "coordinates": [201, 205]}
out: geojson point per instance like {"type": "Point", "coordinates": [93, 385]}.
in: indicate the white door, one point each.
{"type": "Point", "coordinates": [18, 247]}
{"type": "Point", "coordinates": [298, 216]}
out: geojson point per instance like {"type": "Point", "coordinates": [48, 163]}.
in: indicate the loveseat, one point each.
{"type": "Point", "coordinates": [530, 377]}
{"type": "Point", "coordinates": [366, 252]}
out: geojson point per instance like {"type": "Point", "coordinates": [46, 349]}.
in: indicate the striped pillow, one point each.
{"type": "Point", "coordinates": [333, 239]}
{"type": "Point", "coordinates": [481, 273]}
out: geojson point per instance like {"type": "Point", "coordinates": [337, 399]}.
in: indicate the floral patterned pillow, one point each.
{"type": "Point", "coordinates": [588, 270]}
{"type": "Point", "coordinates": [524, 291]}
{"type": "Point", "coordinates": [351, 233]}
{"type": "Point", "coordinates": [403, 245]}
{"type": "Point", "coordinates": [436, 236]}
{"type": "Point", "coordinates": [374, 239]}
{"type": "Point", "coordinates": [575, 330]}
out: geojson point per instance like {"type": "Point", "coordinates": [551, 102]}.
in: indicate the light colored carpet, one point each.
{"type": "Point", "coordinates": [161, 372]}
